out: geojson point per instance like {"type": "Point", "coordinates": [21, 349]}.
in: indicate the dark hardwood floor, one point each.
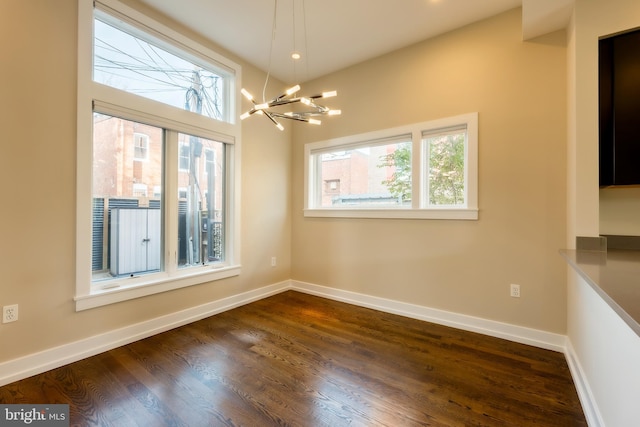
{"type": "Point", "coordinates": [299, 360]}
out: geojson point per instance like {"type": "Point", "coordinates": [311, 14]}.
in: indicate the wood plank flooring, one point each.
{"type": "Point", "coordinates": [298, 360]}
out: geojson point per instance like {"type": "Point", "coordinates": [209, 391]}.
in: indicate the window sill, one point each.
{"type": "Point", "coordinates": [123, 291]}
{"type": "Point", "coordinates": [458, 214]}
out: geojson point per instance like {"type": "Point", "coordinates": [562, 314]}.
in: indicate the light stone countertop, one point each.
{"type": "Point", "coordinates": [615, 276]}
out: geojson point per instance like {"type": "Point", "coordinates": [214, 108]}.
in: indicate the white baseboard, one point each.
{"type": "Point", "coordinates": [26, 366]}
{"type": "Point", "coordinates": [36, 363]}
{"type": "Point", "coordinates": [520, 334]}
{"type": "Point", "coordinates": [590, 409]}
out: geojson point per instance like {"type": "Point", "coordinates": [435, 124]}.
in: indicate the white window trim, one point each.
{"type": "Point", "coordinates": [418, 209]}
{"type": "Point", "coordinates": [181, 148]}
{"type": "Point", "coordinates": [213, 161]}
{"type": "Point", "coordinates": [88, 295]}
{"type": "Point", "coordinates": [141, 137]}
{"type": "Point", "coordinates": [138, 187]}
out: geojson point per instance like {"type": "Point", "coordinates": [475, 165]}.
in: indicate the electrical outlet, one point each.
{"type": "Point", "coordinates": [515, 291]}
{"type": "Point", "coordinates": [273, 261]}
{"type": "Point", "coordinates": [9, 313]}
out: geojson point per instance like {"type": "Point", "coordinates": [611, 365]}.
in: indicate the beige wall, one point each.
{"type": "Point", "coordinates": [38, 41]}
{"type": "Point", "coordinates": [519, 90]}
{"type": "Point", "coordinates": [620, 211]}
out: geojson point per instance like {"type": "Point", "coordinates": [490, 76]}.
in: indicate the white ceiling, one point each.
{"type": "Point", "coordinates": [340, 33]}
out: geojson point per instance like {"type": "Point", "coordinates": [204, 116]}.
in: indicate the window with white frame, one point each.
{"type": "Point", "coordinates": [140, 146]}
{"type": "Point", "coordinates": [210, 162]}
{"type": "Point", "coordinates": [424, 170]}
{"type": "Point", "coordinates": [184, 157]}
{"type": "Point", "coordinates": [148, 92]}
{"type": "Point", "coordinates": [139, 190]}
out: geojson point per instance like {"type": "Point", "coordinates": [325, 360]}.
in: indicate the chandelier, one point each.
{"type": "Point", "coordinates": [307, 109]}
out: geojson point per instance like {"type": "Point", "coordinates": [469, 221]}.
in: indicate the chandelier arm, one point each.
{"type": "Point", "coordinates": [273, 120]}
{"type": "Point", "coordinates": [276, 102]}
{"type": "Point", "coordinates": [290, 117]}
{"type": "Point", "coordinates": [270, 116]}
{"type": "Point", "coordinates": [309, 113]}
{"type": "Point", "coordinates": [318, 106]}
{"type": "Point", "coordinates": [286, 101]}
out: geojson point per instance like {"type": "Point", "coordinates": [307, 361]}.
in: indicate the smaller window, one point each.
{"type": "Point", "coordinates": [140, 146]}
{"type": "Point", "coordinates": [425, 170]}
{"type": "Point", "coordinates": [445, 151]}
{"type": "Point", "coordinates": [139, 190]}
{"type": "Point", "coordinates": [182, 193]}
{"type": "Point", "coordinates": [185, 155]}
{"type": "Point", "coordinates": [333, 185]}
{"type": "Point", "coordinates": [209, 167]}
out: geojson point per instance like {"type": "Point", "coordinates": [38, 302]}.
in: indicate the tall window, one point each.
{"type": "Point", "coordinates": [156, 203]}
{"type": "Point", "coordinates": [424, 170]}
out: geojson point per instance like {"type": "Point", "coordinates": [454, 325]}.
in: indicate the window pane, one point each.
{"type": "Point", "coordinates": [446, 168]}
{"type": "Point", "coordinates": [200, 201]}
{"type": "Point", "coordinates": [127, 230]}
{"type": "Point", "coordinates": [365, 176]}
{"type": "Point", "coordinates": [140, 146]}
{"type": "Point", "coordinates": [129, 63]}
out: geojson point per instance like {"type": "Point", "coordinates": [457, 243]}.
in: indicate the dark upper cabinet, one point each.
{"type": "Point", "coordinates": [619, 93]}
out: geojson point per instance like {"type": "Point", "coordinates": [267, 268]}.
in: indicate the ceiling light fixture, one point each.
{"type": "Point", "coordinates": [307, 107]}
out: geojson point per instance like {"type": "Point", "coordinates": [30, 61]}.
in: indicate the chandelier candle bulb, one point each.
{"type": "Point", "coordinates": [292, 90]}
{"type": "Point", "coordinates": [246, 94]}
{"type": "Point", "coordinates": [329, 94]}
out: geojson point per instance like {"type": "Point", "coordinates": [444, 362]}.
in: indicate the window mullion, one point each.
{"type": "Point", "coordinates": [317, 183]}
{"type": "Point", "coordinates": [170, 201]}
{"type": "Point", "coordinates": [416, 170]}
{"type": "Point", "coordinates": [122, 104]}
{"type": "Point", "coordinates": [471, 162]}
